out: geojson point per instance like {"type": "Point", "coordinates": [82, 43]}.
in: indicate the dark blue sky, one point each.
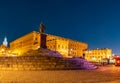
{"type": "Point", "coordinates": [96, 22]}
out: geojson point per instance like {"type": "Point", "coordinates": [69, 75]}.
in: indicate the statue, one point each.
{"type": "Point", "coordinates": [42, 28]}
{"type": "Point", "coordinates": [42, 36]}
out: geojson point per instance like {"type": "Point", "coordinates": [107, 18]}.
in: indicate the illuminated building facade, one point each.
{"type": "Point", "coordinates": [31, 41]}
{"type": "Point", "coordinates": [4, 50]}
{"type": "Point", "coordinates": [25, 43]}
{"type": "Point", "coordinates": [97, 55]}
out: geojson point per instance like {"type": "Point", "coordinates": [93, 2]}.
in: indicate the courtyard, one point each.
{"type": "Point", "coordinates": [104, 74]}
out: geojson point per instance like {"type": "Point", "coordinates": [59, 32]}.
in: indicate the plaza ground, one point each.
{"type": "Point", "coordinates": [104, 74]}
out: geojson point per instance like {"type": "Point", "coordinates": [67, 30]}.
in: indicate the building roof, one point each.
{"type": "Point", "coordinates": [47, 34]}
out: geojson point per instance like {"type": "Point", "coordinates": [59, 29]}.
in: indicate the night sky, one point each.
{"type": "Point", "coordinates": [96, 22]}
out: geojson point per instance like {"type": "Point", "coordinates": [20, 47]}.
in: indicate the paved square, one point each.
{"type": "Point", "coordinates": [104, 74]}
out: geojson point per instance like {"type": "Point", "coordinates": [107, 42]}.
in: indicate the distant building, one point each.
{"type": "Point", "coordinates": [5, 42]}
{"type": "Point", "coordinates": [32, 41]}
{"type": "Point", "coordinates": [4, 50]}
{"type": "Point", "coordinates": [97, 55]}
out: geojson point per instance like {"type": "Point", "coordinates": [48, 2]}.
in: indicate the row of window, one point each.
{"type": "Point", "coordinates": [51, 40]}
{"type": "Point", "coordinates": [73, 53]}
{"type": "Point", "coordinates": [94, 56]}
{"type": "Point", "coordinates": [59, 46]}
{"type": "Point", "coordinates": [100, 51]}
{"type": "Point", "coordinates": [62, 46]}
{"type": "Point", "coordinates": [96, 53]}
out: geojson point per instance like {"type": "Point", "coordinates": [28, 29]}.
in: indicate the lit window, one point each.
{"type": "Point", "coordinates": [58, 46]}
{"type": "Point", "coordinates": [62, 47]}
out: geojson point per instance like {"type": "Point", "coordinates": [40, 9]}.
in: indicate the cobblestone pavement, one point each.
{"type": "Point", "coordinates": [104, 74]}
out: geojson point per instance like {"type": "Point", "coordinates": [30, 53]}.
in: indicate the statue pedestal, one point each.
{"type": "Point", "coordinates": [43, 41]}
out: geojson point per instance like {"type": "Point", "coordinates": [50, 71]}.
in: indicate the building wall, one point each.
{"type": "Point", "coordinates": [25, 43]}
{"type": "Point", "coordinates": [66, 47]}
{"type": "Point", "coordinates": [97, 55]}
{"type": "Point", "coordinates": [76, 48]}
{"type": "Point", "coordinates": [62, 46]}
{"type": "Point", "coordinates": [51, 42]}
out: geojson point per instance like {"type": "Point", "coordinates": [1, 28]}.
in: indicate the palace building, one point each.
{"type": "Point", "coordinates": [32, 41]}
{"type": "Point", "coordinates": [98, 55]}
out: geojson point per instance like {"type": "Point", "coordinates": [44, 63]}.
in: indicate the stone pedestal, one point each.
{"type": "Point", "coordinates": [43, 41]}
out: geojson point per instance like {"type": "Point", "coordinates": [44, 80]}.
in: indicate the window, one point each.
{"type": "Point", "coordinates": [62, 47]}
{"type": "Point", "coordinates": [58, 46]}
{"type": "Point", "coordinates": [66, 47]}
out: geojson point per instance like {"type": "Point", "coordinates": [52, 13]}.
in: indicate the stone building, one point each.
{"type": "Point", "coordinates": [32, 41]}
{"type": "Point", "coordinates": [4, 49]}
{"type": "Point", "coordinates": [98, 55]}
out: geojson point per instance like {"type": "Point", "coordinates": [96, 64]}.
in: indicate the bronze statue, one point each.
{"type": "Point", "coordinates": [42, 28]}
{"type": "Point", "coordinates": [42, 36]}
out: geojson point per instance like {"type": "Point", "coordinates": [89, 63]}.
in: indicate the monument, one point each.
{"type": "Point", "coordinates": [42, 36]}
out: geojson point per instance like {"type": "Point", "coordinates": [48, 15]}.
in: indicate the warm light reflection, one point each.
{"type": "Point", "coordinates": [2, 50]}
